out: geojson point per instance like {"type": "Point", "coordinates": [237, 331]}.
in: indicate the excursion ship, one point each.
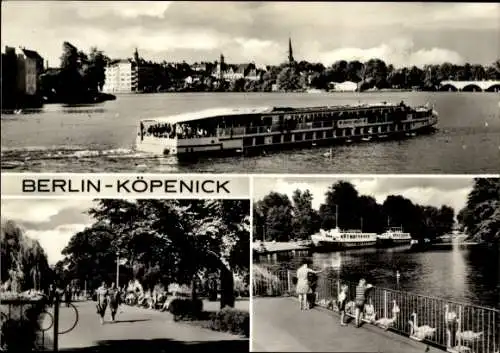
{"type": "Point", "coordinates": [338, 239]}
{"type": "Point", "coordinates": [393, 236]}
{"type": "Point", "coordinates": [247, 130]}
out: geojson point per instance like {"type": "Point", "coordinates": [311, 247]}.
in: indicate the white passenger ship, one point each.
{"type": "Point", "coordinates": [253, 129]}
{"type": "Point", "coordinates": [393, 236]}
{"type": "Point", "coordinates": [339, 239]}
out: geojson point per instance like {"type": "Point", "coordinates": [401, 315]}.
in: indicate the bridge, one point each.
{"type": "Point", "coordinates": [471, 86]}
{"type": "Point", "coordinates": [437, 324]}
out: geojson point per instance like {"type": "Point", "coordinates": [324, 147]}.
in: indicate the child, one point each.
{"type": "Point", "coordinates": [341, 299]}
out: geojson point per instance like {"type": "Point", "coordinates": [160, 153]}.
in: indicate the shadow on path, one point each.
{"type": "Point", "coordinates": [128, 321]}
{"type": "Point", "coordinates": [163, 345]}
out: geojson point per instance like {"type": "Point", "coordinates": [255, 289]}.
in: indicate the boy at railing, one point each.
{"type": "Point", "coordinates": [341, 301]}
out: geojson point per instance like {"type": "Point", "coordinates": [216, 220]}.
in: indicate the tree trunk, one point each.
{"type": "Point", "coordinates": [227, 288]}
{"type": "Point", "coordinates": [194, 294]}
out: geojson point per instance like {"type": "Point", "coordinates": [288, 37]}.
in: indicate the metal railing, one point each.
{"type": "Point", "coordinates": [449, 325]}
{"type": "Point", "coordinates": [25, 317]}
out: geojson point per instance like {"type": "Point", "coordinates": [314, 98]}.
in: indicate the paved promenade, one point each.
{"type": "Point", "coordinates": [278, 325]}
{"type": "Point", "coordinates": [139, 330]}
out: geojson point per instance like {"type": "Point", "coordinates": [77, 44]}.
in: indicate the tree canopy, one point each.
{"type": "Point", "coordinates": [161, 240]}
{"type": "Point", "coordinates": [481, 215]}
{"type": "Point", "coordinates": [276, 217]}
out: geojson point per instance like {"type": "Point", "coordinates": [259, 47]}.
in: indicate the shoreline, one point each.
{"type": "Point", "coordinates": [276, 247]}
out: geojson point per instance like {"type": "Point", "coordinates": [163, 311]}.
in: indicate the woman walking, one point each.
{"type": "Point", "coordinates": [102, 301]}
{"type": "Point", "coordinates": [114, 300]}
{"type": "Point", "coordinates": [303, 284]}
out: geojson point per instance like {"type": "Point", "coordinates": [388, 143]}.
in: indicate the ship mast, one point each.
{"type": "Point", "coordinates": [336, 216]}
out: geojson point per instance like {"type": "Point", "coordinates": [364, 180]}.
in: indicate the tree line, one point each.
{"type": "Point", "coordinates": [79, 78]}
{"type": "Point", "coordinates": [83, 73]}
{"type": "Point", "coordinates": [481, 215]}
{"type": "Point", "coordinates": [276, 217]}
{"type": "Point", "coordinates": [168, 241]}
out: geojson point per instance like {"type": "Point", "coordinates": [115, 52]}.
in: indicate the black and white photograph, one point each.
{"type": "Point", "coordinates": [114, 275]}
{"type": "Point", "coordinates": [238, 87]}
{"type": "Point", "coordinates": [376, 264]}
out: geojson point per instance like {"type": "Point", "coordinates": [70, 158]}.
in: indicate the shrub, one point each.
{"type": "Point", "coordinates": [185, 308]}
{"type": "Point", "coordinates": [231, 320]}
{"type": "Point", "coordinates": [20, 329]}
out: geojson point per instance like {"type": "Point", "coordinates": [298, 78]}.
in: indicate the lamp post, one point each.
{"type": "Point", "coordinates": [117, 269]}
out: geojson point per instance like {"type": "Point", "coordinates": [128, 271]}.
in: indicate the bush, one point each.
{"type": "Point", "coordinates": [20, 328]}
{"type": "Point", "coordinates": [185, 308]}
{"type": "Point", "coordinates": [231, 320]}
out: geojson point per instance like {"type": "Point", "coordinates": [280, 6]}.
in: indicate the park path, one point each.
{"type": "Point", "coordinates": [278, 326]}
{"type": "Point", "coordinates": [138, 329]}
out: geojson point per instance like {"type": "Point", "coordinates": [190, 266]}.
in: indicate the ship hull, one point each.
{"type": "Point", "coordinates": [337, 245]}
{"type": "Point", "coordinates": [386, 243]}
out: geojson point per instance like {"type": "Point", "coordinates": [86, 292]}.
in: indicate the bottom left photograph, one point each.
{"type": "Point", "coordinates": [124, 275]}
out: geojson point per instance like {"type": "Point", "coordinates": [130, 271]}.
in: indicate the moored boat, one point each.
{"type": "Point", "coordinates": [335, 239]}
{"type": "Point", "coordinates": [393, 236]}
{"type": "Point", "coordinates": [247, 130]}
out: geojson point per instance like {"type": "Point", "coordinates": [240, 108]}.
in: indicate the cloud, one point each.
{"type": "Point", "coordinates": [424, 191]}
{"type": "Point", "coordinates": [125, 9]}
{"type": "Point", "coordinates": [55, 240]}
{"type": "Point", "coordinates": [51, 221]}
{"type": "Point", "coordinates": [399, 52]}
{"type": "Point", "coordinates": [400, 33]}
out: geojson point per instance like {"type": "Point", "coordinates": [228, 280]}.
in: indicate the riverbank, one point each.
{"type": "Point", "coordinates": [268, 247]}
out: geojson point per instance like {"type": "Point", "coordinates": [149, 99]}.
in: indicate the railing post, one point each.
{"type": "Point", "coordinates": [289, 280]}
{"type": "Point", "coordinates": [385, 303]}
{"type": "Point", "coordinates": [56, 323]}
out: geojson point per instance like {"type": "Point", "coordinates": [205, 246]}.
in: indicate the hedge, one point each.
{"type": "Point", "coordinates": [186, 308]}
{"type": "Point", "coordinates": [230, 320]}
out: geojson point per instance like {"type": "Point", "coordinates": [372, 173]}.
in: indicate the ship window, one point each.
{"type": "Point", "coordinates": [298, 137]}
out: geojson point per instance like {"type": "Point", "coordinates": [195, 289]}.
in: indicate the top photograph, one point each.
{"type": "Point", "coordinates": [250, 87]}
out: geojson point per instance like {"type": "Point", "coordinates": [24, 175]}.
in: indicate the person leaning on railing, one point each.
{"type": "Point", "coordinates": [360, 300]}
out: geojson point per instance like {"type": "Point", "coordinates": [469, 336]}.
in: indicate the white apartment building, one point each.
{"type": "Point", "coordinates": [121, 77]}
{"type": "Point", "coordinates": [29, 67]}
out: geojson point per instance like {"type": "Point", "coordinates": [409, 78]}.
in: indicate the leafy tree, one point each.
{"type": "Point", "coordinates": [481, 217]}
{"type": "Point", "coordinates": [170, 240]}
{"type": "Point", "coordinates": [23, 261]}
{"type": "Point", "coordinates": [305, 219]}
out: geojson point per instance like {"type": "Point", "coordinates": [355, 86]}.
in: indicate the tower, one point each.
{"type": "Point", "coordinates": [290, 51]}
{"type": "Point", "coordinates": [221, 68]}
{"type": "Point", "coordinates": [136, 56]}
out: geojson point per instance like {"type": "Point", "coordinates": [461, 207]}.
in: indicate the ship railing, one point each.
{"type": "Point", "coordinates": [447, 324]}
{"type": "Point", "coordinates": [327, 124]}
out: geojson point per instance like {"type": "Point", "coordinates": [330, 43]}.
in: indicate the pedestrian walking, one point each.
{"type": "Point", "coordinates": [114, 300]}
{"type": "Point", "coordinates": [67, 295]}
{"type": "Point", "coordinates": [102, 301]}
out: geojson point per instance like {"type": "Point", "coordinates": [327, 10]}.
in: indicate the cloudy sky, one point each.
{"type": "Point", "coordinates": [425, 191]}
{"type": "Point", "coordinates": [400, 33]}
{"type": "Point", "coordinates": [51, 221]}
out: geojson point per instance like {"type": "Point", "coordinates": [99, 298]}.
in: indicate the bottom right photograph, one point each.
{"type": "Point", "coordinates": [376, 264]}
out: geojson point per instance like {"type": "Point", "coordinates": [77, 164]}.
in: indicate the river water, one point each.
{"type": "Point", "coordinates": [464, 274]}
{"type": "Point", "coordinates": [100, 138]}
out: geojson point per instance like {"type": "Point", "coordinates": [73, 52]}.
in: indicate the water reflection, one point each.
{"type": "Point", "coordinates": [465, 274]}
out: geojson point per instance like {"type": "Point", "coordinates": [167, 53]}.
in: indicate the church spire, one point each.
{"type": "Point", "coordinates": [290, 51]}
